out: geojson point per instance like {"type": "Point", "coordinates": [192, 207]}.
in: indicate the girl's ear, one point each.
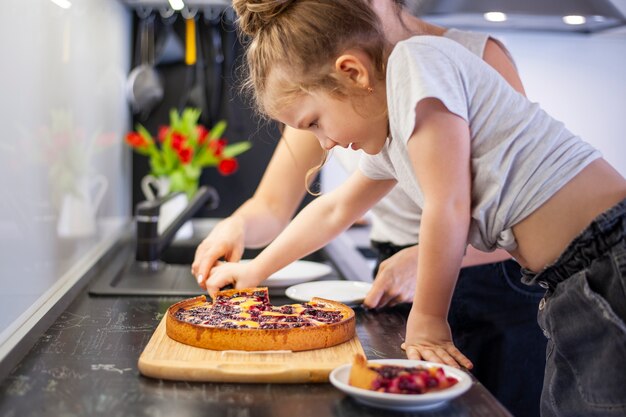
{"type": "Point", "coordinates": [353, 67]}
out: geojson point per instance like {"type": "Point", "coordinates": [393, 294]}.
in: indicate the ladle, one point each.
{"type": "Point", "coordinates": [144, 89]}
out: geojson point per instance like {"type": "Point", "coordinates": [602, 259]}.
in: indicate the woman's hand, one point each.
{"type": "Point", "coordinates": [429, 338]}
{"type": "Point", "coordinates": [395, 281]}
{"type": "Point", "coordinates": [226, 241]}
{"type": "Point", "coordinates": [240, 275]}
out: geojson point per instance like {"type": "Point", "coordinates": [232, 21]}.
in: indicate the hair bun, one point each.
{"type": "Point", "coordinates": [256, 14]}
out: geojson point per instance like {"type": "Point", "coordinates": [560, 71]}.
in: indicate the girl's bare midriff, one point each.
{"type": "Point", "coordinates": [543, 236]}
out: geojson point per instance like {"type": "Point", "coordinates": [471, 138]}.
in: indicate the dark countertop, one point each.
{"type": "Point", "coordinates": [85, 364]}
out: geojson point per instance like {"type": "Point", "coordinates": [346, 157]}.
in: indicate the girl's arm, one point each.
{"type": "Point", "coordinates": [317, 224]}
{"type": "Point", "coordinates": [440, 152]}
{"type": "Point", "coordinates": [261, 218]}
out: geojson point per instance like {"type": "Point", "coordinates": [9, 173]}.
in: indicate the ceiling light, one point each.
{"type": "Point", "coordinates": [574, 19]}
{"type": "Point", "coordinates": [177, 4]}
{"type": "Point", "coordinates": [64, 4]}
{"type": "Point", "coordinates": [495, 16]}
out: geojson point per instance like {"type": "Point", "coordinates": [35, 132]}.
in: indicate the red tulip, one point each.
{"type": "Point", "coordinates": [227, 166]}
{"type": "Point", "coordinates": [185, 154]}
{"type": "Point", "coordinates": [135, 140]}
{"type": "Point", "coordinates": [178, 141]}
{"type": "Point", "coordinates": [203, 134]}
{"type": "Point", "coordinates": [217, 146]}
{"type": "Point", "coordinates": [163, 131]}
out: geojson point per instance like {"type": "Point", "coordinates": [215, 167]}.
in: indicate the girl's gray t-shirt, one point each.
{"type": "Point", "coordinates": [520, 156]}
{"type": "Point", "coordinates": [396, 218]}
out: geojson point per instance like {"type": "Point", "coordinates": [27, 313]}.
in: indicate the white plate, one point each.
{"type": "Point", "coordinates": [402, 402]}
{"type": "Point", "coordinates": [347, 292]}
{"type": "Point", "coordinates": [295, 273]}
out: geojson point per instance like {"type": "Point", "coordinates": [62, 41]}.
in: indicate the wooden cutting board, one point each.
{"type": "Point", "coordinates": [165, 358]}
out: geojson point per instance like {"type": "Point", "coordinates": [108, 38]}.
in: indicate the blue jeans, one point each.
{"type": "Point", "coordinates": [584, 317]}
{"type": "Point", "coordinates": [493, 318]}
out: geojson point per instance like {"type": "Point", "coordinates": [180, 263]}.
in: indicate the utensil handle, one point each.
{"type": "Point", "coordinates": [190, 41]}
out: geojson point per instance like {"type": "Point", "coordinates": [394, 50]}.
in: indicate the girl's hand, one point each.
{"type": "Point", "coordinates": [240, 275]}
{"type": "Point", "coordinates": [395, 281]}
{"type": "Point", "coordinates": [429, 338]}
{"type": "Point", "coordinates": [226, 241]}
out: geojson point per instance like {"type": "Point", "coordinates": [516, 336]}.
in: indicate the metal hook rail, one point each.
{"type": "Point", "coordinates": [164, 5]}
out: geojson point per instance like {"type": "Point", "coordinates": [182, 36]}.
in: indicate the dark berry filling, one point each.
{"type": "Point", "coordinates": [227, 313]}
{"type": "Point", "coordinates": [417, 380]}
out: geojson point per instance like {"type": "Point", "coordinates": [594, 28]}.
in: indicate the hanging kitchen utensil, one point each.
{"type": "Point", "coordinates": [197, 94]}
{"type": "Point", "coordinates": [190, 55]}
{"type": "Point", "coordinates": [169, 48]}
{"type": "Point", "coordinates": [213, 18]}
{"type": "Point", "coordinates": [144, 88]}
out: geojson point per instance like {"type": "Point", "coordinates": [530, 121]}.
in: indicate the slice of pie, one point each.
{"type": "Point", "coordinates": [244, 319]}
{"type": "Point", "coordinates": [398, 379]}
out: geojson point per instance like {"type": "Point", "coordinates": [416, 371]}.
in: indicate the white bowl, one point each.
{"type": "Point", "coordinates": [402, 402]}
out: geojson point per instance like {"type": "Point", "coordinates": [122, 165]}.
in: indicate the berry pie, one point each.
{"type": "Point", "coordinates": [244, 319]}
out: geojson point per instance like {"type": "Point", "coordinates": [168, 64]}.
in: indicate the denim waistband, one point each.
{"type": "Point", "coordinates": [388, 249]}
{"type": "Point", "coordinates": [606, 231]}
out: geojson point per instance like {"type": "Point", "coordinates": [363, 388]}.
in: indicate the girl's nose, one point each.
{"type": "Point", "coordinates": [327, 143]}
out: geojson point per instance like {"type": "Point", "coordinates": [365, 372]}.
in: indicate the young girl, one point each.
{"type": "Point", "coordinates": [485, 165]}
{"type": "Point", "coordinates": [501, 326]}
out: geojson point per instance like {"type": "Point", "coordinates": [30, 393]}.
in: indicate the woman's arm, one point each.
{"type": "Point", "coordinates": [261, 218]}
{"type": "Point", "coordinates": [440, 152]}
{"type": "Point", "coordinates": [281, 189]}
{"type": "Point", "coordinates": [496, 56]}
{"type": "Point", "coordinates": [317, 224]}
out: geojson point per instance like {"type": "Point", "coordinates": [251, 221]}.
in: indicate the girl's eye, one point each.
{"type": "Point", "coordinates": [313, 124]}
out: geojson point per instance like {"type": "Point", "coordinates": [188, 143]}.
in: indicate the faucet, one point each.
{"type": "Point", "coordinates": [150, 244]}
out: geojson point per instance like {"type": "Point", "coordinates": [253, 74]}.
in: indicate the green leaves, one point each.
{"type": "Point", "coordinates": [218, 130]}
{"type": "Point", "coordinates": [235, 149]}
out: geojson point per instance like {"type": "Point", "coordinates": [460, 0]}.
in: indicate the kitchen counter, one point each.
{"type": "Point", "coordinates": [85, 364]}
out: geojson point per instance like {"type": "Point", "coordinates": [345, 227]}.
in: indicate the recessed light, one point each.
{"type": "Point", "coordinates": [495, 16]}
{"type": "Point", "coordinates": [574, 20]}
{"type": "Point", "coordinates": [64, 4]}
{"type": "Point", "coordinates": [177, 4]}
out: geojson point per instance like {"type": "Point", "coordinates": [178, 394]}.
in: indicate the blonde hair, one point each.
{"type": "Point", "coordinates": [303, 38]}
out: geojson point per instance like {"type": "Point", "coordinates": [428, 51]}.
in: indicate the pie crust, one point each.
{"type": "Point", "coordinates": [362, 376]}
{"type": "Point", "coordinates": [317, 336]}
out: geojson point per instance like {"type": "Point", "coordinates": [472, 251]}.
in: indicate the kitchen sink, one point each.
{"type": "Point", "coordinates": [153, 264]}
{"type": "Point", "coordinates": [171, 276]}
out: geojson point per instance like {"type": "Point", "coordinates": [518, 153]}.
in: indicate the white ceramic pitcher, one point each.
{"type": "Point", "coordinates": [77, 217]}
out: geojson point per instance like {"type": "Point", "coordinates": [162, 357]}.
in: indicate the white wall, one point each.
{"type": "Point", "coordinates": [580, 80]}
{"type": "Point", "coordinates": [62, 119]}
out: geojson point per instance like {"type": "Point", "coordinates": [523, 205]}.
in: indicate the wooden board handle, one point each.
{"type": "Point", "coordinates": [256, 368]}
